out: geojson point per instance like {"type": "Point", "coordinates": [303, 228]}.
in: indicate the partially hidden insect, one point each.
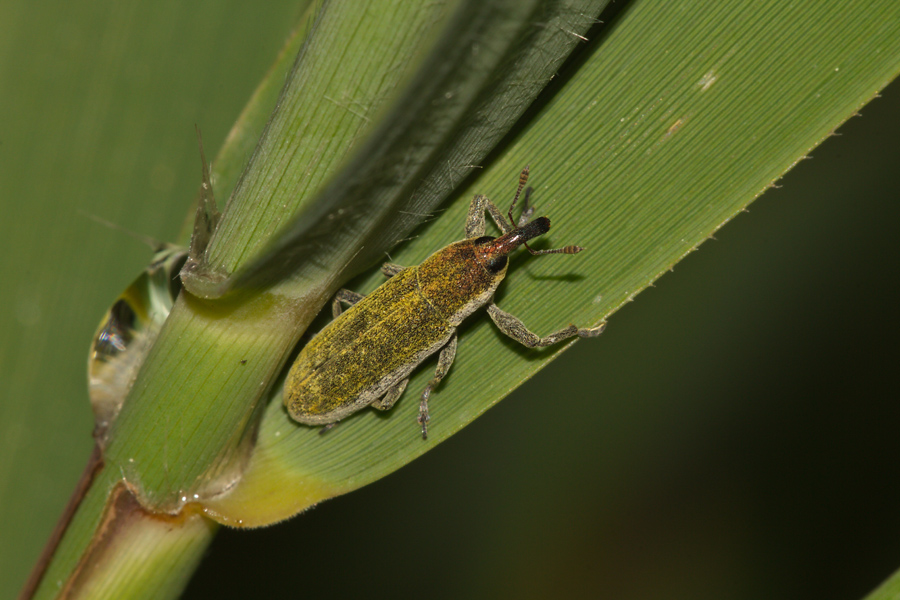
{"type": "Point", "coordinates": [364, 357]}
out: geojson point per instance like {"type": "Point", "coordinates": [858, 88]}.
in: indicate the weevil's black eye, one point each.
{"type": "Point", "coordinates": [497, 264]}
{"type": "Point", "coordinates": [483, 240]}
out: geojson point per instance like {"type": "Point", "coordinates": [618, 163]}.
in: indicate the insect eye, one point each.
{"type": "Point", "coordinates": [483, 240]}
{"type": "Point", "coordinates": [497, 264]}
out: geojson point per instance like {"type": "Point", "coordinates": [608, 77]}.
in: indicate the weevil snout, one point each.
{"type": "Point", "coordinates": [493, 252]}
{"type": "Point", "coordinates": [506, 243]}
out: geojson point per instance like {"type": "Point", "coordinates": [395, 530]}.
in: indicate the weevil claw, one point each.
{"type": "Point", "coordinates": [423, 419]}
{"type": "Point", "coordinates": [592, 332]}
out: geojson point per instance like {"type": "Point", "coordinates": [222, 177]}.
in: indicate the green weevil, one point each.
{"type": "Point", "coordinates": [364, 357]}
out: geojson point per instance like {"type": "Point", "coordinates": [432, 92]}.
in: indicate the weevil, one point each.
{"type": "Point", "coordinates": [364, 357]}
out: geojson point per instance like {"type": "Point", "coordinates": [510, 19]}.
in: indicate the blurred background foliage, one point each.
{"type": "Point", "coordinates": [731, 434]}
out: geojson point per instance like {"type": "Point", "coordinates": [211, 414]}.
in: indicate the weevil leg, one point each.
{"type": "Point", "coordinates": [346, 297]}
{"type": "Point", "coordinates": [445, 359]}
{"type": "Point", "coordinates": [515, 328]}
{"type": "Point", "coordinates": [475, 218]}
{"type": "Point", "coordinates": [391, 269]}
{"type": "Point", "coordinates": [527, 209]}
{"type": "Point", "coordinates": [391, 396]}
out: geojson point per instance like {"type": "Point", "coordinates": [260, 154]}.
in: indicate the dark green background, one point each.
{"type": "Point", "coordinates": [732, 434]}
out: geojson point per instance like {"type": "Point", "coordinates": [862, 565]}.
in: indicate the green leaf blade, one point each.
{"type": "Point", "coordinates": [688, 139]}
{"type": "Point", "coordinates": [489, 63]}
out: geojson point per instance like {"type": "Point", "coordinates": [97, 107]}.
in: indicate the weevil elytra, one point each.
{"type": "Point", "coordinates": [365, 355]}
